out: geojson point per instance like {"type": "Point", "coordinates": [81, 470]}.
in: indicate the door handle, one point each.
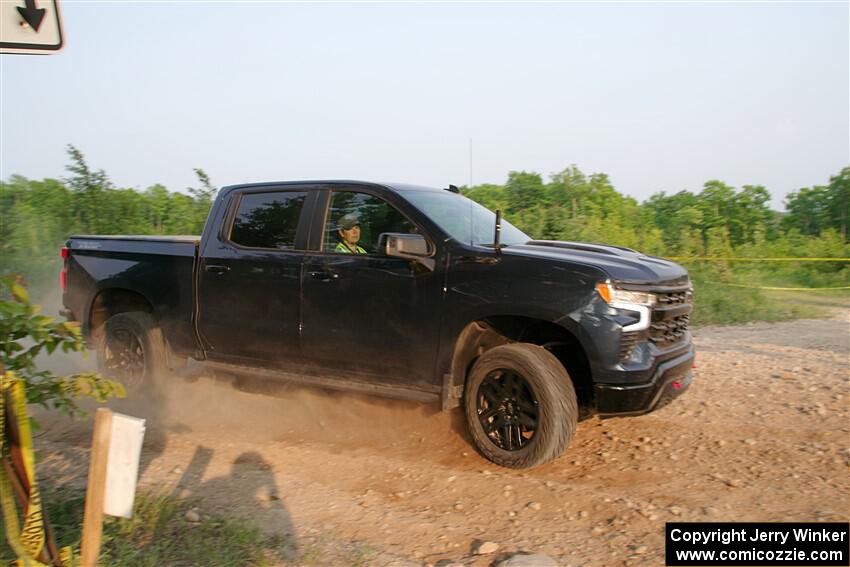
{"type": "Point", "coordinates": [216, 269]}
{"type": "Point", "coordinates": [324, 276]}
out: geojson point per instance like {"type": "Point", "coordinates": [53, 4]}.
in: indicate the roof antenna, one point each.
{"type": "Point", "coordinates": [453, 188]}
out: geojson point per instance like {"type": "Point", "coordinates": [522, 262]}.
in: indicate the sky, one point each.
{"type": "Point", "coordinates": [661, 96]}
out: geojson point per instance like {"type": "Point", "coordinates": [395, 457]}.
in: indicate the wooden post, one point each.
{"type": "Point", "coordinates": [93, 515]}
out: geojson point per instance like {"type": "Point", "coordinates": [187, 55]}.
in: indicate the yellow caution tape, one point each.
{"type": "Point", "coordinates": [32, 534]}
{"type": "Point", "coordinates": [744, 259]}
{"type": "Point", "coordinates": [27, 543]}
{"type": "Point", "coordinates": [779, 288]}
{"type": "Point", "coordinates": [66, 556]}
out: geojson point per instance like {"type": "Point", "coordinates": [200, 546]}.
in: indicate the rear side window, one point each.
{"type": "Point", "coordinates": [268, 220]}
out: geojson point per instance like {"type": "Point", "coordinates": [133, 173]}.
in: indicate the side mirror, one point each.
{"type": "Point", "coordinates": [400, 245]}
{"type": "Point", "coordinates": [407, 246]}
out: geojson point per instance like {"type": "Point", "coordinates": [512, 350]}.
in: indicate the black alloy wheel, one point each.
{"type": "Point", "coordinates": [124, 358]}
{"type": "Point", "coordinates": [131, 351]}
{"type": "Point", "coordinates": [520, 405]}
{"type": "Point", "coordinates": [507, 409]}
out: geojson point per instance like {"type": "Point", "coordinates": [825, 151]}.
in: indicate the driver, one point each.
{"type": "Point", "coordinates": [349, 235]}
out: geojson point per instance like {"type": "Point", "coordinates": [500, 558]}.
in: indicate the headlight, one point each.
{"type": "Point", "coordinates": [613, 295]}
{"type": "Point", "coordinates": [639, 302]}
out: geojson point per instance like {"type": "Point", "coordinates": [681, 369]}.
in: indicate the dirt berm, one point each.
{"type": "Point", "coordinates": [762, 435]}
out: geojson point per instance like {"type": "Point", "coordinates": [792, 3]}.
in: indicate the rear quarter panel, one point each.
{"type": "Point", "coordinates": [159, 269]}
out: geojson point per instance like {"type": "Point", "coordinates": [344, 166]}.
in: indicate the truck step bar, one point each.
{"type": "Point", "coordinates": [346, 384]}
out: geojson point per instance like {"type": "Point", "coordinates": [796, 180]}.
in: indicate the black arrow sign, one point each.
{"type": "Point", "coordinates": [31, 14]}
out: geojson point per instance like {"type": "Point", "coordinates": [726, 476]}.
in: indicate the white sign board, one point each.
{"type": "Point", "coordinates": [30, 26]}
{"type": "Point", "coordinates": [122, 465]}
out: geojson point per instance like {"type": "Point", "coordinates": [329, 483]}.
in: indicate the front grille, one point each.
{"type": "Point", "coordinates": [673, 298]}
{"type": "Point", "coordinates": [669, 318]}
{"type": "Point", "coordinates": [666, 333]}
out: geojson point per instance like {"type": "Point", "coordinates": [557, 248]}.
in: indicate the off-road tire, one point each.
{"type": "Point", "coordinates": [554, 393]}
{"type": "Point", "coordinates": [146, 353]}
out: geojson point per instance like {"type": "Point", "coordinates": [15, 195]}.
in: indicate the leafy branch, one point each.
{"type": "Point", "coordinates": [26, 334]}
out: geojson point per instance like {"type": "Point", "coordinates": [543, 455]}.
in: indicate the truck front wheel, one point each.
{"type": "Point", "coordinates": [520, 406]}
{"type": "Point", "coordinates": [131, 351]}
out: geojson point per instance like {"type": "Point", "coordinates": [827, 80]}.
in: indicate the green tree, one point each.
{"type": "Point", "coordinates": [523, 191]}
{"type": "Point", "coordinates": [567, 188]}
{"type": "Point", "coordinates": [90, 186]}
{"type": "Point", "coordinates": [203, 198]}
{"type": "Point", "coordinates": [158, 203]}
{"type": "Point", "coordinates": [207, 191]}
{"type": "Point", "coordinates": [807, 210]}
{"type": "Point", "coordinates": [494, 197]}
{"type": "Point", "coordinates": [838, 202]}
{"type": "Point", "coordinates": [717, 202]}
{"type": "Point", "coordinates": [677, 216]}
{"type": "Point", "coordinates": [751, 214]}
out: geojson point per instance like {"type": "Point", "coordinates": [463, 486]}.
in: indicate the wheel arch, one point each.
{"type": "Point", "coordinates": [481, 335]}
{"type": "Point", "coordinates": [111, 301]}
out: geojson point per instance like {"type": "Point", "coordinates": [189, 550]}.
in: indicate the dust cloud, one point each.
{"type": "Point", "coordinates": [269, 411]}
{"type": "Point", "coordinates": [232, 406]}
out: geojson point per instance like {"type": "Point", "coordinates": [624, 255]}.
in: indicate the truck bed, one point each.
{"type": "Point", "coordinates": [158, 269]}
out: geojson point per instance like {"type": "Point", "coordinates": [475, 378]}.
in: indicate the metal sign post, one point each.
{"type": "Point", "coordinates": [30, 26]}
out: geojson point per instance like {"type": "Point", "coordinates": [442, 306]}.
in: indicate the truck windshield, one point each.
{"type": "Point", "coordinates": [464, 219]}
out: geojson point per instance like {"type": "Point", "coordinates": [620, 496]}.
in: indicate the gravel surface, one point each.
{"type": "Point", "coordinates": [762, 435]}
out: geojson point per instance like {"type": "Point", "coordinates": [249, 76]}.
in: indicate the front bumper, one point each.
{"type": "Point", "coordinates": [669, 380]}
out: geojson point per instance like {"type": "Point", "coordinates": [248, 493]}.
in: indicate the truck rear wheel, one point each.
{"type": "Point", "coordinates": [520, 406]}
{"type": "Point", "coordinates": [131, 351]}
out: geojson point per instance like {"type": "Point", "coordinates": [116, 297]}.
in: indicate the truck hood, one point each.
{"type": "Point", "coordinates": [621, 264]}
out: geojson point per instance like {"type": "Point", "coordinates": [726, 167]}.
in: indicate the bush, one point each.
{"type": "Point", "coordinates": [25, 334]}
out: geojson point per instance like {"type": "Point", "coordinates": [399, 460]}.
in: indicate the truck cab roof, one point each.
{"type": "Point", "coordinates": [320, 184]}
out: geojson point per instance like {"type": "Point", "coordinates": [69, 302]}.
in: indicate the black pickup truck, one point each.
{"type": "Point", "coordinates": [394, 290]}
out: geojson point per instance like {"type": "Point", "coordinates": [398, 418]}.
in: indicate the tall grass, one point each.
{"type": "Point", "coordinates": [738, 292]}
{"type": "Point", "coordinates": [158, 534]}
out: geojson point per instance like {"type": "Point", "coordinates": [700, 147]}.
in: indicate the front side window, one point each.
{"type": "Point", "coordinates": [355, 222]}
{"type": "Point", "coordinates": [268, 220]}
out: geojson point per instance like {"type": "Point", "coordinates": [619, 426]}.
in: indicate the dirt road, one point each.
{"type": "Point", "coordinates": [762, 435]}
